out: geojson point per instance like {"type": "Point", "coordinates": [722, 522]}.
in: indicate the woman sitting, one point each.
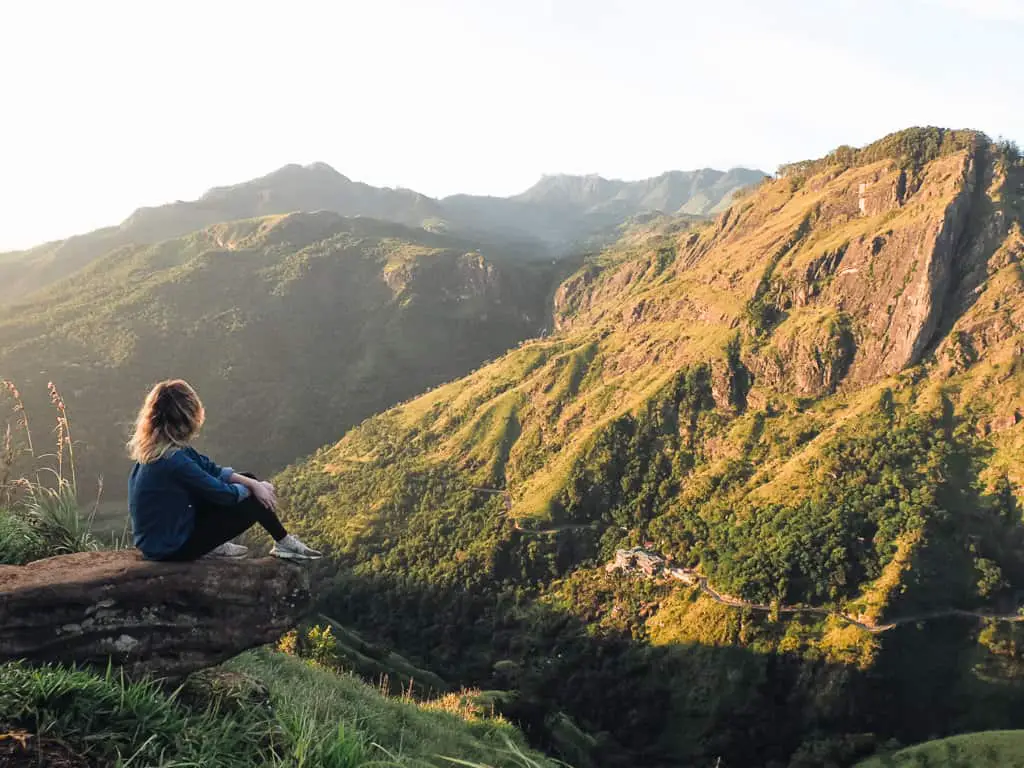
{"type": "Point", "coordinates": [182, 505]}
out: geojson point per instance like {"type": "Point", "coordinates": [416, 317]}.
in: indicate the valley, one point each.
{"type": "Point", "coordinates": [410, 384]}
{"type": "Point", "coordinates": [811, 400]}
{"type": "Point", "coordinates": [799, 396]}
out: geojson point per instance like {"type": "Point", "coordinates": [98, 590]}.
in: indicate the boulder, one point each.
{"type": "Point", "coordinates": [161, 619]}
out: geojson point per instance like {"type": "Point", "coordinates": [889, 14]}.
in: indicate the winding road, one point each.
{"type": "Point", "coordinates": [695, 579]}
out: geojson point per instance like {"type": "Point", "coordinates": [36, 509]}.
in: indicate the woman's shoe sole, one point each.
{"type": "Point", "coordinates": [295, 556]}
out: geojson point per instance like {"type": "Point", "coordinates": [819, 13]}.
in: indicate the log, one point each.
{"type": "Point", "coordinates": [163, 620]}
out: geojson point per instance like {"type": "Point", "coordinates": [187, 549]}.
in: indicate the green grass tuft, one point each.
{"type": "Point", "coordinates": [314, 719]}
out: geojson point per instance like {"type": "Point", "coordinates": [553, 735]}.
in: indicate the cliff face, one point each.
{"type": "Point", "coordinates": [845, 274]}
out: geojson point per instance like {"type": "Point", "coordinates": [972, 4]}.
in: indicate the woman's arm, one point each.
{"type": "Point", "coordinates": [208, 465]}
{"type": "Point", "coordinates": [205, 485]}
{"type": "Point", "coordinates": [262, 491]}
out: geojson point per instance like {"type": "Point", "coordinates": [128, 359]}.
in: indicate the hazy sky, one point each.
{"type": "Point", "coordinates": [111, 105]}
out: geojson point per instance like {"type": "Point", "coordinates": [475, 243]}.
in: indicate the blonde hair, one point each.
{"type": "Point", "coordinates": [170, 417]}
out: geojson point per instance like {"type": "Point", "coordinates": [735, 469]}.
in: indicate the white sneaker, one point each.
{"type": "Point", "coordinates": [229, 550]}
{"type": "Point", "coordinates": [290, 548]}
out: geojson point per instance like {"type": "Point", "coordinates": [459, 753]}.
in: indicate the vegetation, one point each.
{"type": "Point", "coordinates": [40, 511]}
{"type": "Point", "coordinates": [292, 328]}
{"type": "Point", "coordinates": [261, 709]}
{"type": "Point", "coordinates": [976, 750]}
{"type": "Point", "coordinates": [910, 149]}
{"type": "Point", "coordinates": [804, 460]}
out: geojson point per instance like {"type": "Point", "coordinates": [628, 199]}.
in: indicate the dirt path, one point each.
{"type": "Point", "coordinates": [518, 525]}
{"type": "Point", "coordinates": [555, 528]}
{"type": "Point", "coordinates": [735, 602]}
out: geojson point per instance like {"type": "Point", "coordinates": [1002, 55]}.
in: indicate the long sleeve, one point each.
{"type": "Point", "coordinates": [203, 483]}
{"type": "Point", "coordinates": [209, 466]}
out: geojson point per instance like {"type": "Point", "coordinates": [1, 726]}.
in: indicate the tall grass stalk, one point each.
{"type": "Point", "coordinates": [46, 497]}
{"type": "Point", "coordinates": [64, 441]}
{"type": "Point", "coordinates": [18, 407]}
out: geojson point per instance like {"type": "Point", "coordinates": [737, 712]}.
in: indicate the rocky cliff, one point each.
{"type": "Point", "coordinates": [843, 273]}
{"type": "Point", "coordinates": [159, 619]}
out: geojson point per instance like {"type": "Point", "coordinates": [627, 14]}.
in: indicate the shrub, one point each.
{"type": "Point", "coordinates": [20, 542]}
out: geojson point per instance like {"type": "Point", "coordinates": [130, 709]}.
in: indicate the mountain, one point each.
{"type": "Point", "coordinates": [702, 192]}
{"type": "Point", "coordinates": [289, 189]}
{"type": "Point", "coordinates": [538, 220]}
{"type": "Point", "coordinates": [806, 415]}
{"type": "Point", "coordinates": [293, 328]}
{"type": "Point", "coordinates": [567, 212]}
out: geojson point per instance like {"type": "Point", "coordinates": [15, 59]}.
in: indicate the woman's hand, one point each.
{"type": "Point", "coordinates": [265, 495]}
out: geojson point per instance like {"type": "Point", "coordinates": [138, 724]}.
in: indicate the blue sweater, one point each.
{"type": "Point", "coordinates": [163, 495]}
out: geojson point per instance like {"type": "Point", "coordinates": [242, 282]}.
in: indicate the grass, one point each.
{"type": "Point", "coordinates": [395, 730]}
{"type": "Point", "coordinates": [41, 514]}
{"type": "Point", "coordinates": [286, 713]}
{"type": "Point", "coordinates": [995, 749]}
{"type": "Point", "coordinates": [20, 542]}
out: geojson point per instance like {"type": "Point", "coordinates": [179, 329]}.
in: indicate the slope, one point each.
{"type": "Point", "coordinates": [261, 708]}
{"type": "Point", "coordinates": [1004, 749]}
{"type": "Point", "coordinates": [292, 328]}
{"type": "Point", "coordinates": [811, 401]}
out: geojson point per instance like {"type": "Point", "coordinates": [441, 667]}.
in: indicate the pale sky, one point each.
{"type": "Point", "coordinates": [111, 105]}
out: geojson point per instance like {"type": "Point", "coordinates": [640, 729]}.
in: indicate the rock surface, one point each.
{"type": "Point", "coordinates": [162, 619]}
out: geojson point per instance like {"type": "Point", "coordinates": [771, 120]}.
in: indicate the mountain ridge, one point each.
{"type": "Point", "coordinates": [503, 222]}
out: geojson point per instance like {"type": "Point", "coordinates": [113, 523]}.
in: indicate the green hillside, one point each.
{"type": "Point", "coordinates": [812, 404]}
{"type": "Point", "coordinates": [293, 328]}
{"type": "Point", "coordinates": [996, 749]}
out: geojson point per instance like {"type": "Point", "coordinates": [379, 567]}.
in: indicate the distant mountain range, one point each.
{"type": "Point", "coordinates": [550, 218]}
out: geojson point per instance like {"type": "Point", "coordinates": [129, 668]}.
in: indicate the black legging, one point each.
{"type": "Point", "coordinates": [216, 524]}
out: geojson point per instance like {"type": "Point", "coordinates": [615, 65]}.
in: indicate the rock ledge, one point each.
{"type": "Point", "coordinates": [161, 619]}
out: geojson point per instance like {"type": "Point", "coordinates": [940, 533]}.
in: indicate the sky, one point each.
{"type": "Point", "coordinates": [108, 105]}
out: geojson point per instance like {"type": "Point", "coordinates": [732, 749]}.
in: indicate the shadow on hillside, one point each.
{"type": "Point", "coordinates": [683, 704]}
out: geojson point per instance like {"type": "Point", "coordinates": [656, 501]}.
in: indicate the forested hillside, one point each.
{"type": "Point", "coordinates": [811, 403]}
{"type": "Point", "coordinates": [293, 328]}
